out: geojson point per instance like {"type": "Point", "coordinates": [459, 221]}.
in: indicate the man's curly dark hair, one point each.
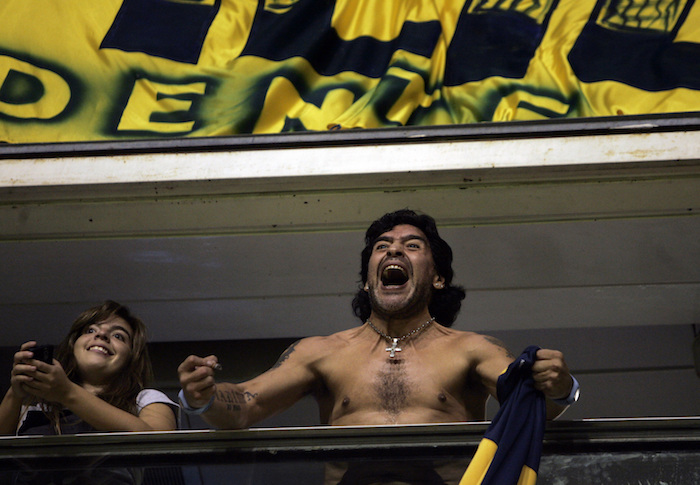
{"type": "Point", "coordinates": [445, 303]}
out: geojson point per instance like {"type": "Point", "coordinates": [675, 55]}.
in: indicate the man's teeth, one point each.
{"type": "Point", "coordinates": [394, 267]}
{"type": "Point", "coordinates": [394, 274]}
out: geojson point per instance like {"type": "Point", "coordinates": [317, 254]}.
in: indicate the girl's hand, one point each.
{"type": "Point", "coordinates": [23, 370]}
{"type": "Point", "coordinates": [49, 382]}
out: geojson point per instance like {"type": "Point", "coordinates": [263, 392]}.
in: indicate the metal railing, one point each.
{"type": "Point", "coordinates": [615, 451]}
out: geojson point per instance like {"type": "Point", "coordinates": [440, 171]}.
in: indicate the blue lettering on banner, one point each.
{"type": "Point", "coordinates": [495, 39]}
{"type": "Point", "coordinates": [305, 30]}
{"type": "Point", "coordinates": [636, 46]}
{"type": "Point", "coordinates": [162, 28]}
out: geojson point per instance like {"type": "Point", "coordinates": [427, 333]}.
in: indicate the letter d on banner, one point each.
{"type": "Point", "coordinates": [31, 92]}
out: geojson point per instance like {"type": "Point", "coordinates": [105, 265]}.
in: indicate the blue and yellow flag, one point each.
{"type": "Point", "coordinates": [509, 453]}
{"type": "Point", "coordinates": [75, 70]}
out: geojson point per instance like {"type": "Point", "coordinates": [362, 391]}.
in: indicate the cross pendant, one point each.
{"type": "Point", "coordinates": [394, 348]}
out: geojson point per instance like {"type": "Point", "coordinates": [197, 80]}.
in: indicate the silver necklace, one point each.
{"type": "Point", "coordinates": [395, 340]}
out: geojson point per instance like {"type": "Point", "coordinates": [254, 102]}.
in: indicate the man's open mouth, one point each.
{"type": "Point", "coordinates": [394, 275]}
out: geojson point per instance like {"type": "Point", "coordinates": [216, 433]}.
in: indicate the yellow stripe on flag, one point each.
{"type": "Point", "coordinates": [480, 463]}
{"type": "Point", "coordinates": [528, 476]}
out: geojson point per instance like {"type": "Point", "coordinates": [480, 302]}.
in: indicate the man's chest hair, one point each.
{"type": "Point", "coordinates": [396, 379]}
{"type": "Point", "coordinates": [359, 370]}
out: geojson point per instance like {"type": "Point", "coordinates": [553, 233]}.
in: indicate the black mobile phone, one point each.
{"type": "Point", "coordinates": [43, 353]}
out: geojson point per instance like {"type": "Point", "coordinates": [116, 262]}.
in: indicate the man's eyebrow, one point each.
{"type": "Point", "coordinates": [402, 239]}
{"type": "Point", "coordinates": [383, 238]}
{"type": "Point", "coordinates": [415, 236]}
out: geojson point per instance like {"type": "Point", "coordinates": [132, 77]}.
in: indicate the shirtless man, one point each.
{"type": "Point", "coordinates": [403, 365]}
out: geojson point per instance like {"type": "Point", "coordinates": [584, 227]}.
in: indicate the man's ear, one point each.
{"type": "Point", "coordinates": [438, 282]}
{"type": "Point", "coordinates": [366, 288]}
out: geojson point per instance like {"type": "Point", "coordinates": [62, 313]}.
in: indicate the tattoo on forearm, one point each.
{"type": "Point", "coordinates": [500, 344]}
{"type": "Point", "coordinates": [285, 355]}
{"type": "Point", "coordinates": [234, 399]}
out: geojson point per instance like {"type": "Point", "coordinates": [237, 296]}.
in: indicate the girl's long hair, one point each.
{"type": "Point", "coordinates": [122, 390]}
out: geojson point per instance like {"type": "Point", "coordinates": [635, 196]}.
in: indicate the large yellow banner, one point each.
{"type": "Point", "coordinates": [77, 70]}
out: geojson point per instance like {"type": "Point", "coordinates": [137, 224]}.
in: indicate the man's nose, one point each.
{"type": "Point", "coordinates": [395, 249]}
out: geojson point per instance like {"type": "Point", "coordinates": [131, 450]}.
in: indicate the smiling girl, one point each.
{"type": "Point", "coordinates": [97, 382]}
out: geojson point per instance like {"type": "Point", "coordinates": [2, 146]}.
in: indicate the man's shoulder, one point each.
{"type": "Point", "coordinates": [462, 336]}
{"type": "Point", "coordinates": [486, 347]}
{"type": "Point", "coordinates": [329, 342]}
{"type": "Point", "coordinates": [472, 341]}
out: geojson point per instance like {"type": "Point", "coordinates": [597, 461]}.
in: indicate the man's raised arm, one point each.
{"type": "Point", "coordinates": [549, 372]}
{"type": "Point", "coordinates": [227, 405]}
{"type": "Point", "coordinates": [552, 377]}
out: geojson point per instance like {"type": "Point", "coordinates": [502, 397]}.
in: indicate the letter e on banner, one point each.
{"type": "Point", "coordinates": [159, 107]}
